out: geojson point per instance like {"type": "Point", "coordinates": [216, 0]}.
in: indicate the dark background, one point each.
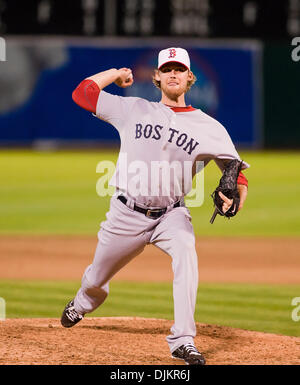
{"type": "Point", "coordinates": [263, 19]}
{"type": "Point", "coordinates": [273, 23]}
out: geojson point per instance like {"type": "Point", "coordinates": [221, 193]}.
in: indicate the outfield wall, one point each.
{"type": "Point", "coordinates": [39, 76]}
{"type": "Point", "coordinates": [281, 101]}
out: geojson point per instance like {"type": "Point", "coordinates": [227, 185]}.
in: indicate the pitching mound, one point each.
{"type": "Point", "coordinates": [136, 341]}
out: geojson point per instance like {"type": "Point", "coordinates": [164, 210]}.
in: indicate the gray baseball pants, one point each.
{"type": "Point", "coordinates": [123, 236]}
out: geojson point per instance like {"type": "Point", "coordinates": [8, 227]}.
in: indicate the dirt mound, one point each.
{"type": "Point", "coordinates": [137, 341]}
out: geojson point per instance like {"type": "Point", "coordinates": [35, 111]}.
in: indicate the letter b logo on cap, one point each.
{"type": "Point", "coordinates": [172, 53]}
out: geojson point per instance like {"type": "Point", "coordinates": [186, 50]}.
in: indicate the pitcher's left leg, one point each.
{"type": "Point", "coordinates": [175, 236]}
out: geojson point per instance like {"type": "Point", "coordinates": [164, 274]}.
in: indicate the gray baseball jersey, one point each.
{"type": "Point", "coordinates": [156, 135]}
{"type": "Point", "coordinates": [152, 132]}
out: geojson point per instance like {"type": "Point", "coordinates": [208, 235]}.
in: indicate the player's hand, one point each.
{"type": "Point", "coordinates": [125, 78]}
{"type": "Point", "coordinates": [227, 202]}
{"type": "Point", "coordinates": [243, 191]}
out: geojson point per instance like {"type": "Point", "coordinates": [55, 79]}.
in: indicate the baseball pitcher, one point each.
{"type": "Point", "coordinates": [168, 132]}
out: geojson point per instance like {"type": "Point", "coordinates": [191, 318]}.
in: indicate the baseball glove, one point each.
{"type": "Point", "coordinates": [228, 186]}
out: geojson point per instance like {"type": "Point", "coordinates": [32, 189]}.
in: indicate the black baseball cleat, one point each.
{"type": "Point", "coordinates": [70, 316]}
{"type": "Point", "coordinates": [189, 354]}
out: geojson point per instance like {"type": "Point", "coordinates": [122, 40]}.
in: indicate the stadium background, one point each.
{"type": "Point", "coordinates": [50, 212]}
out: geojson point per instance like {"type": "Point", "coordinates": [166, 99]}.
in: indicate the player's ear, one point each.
{"type": "Point", "coordinates": [190, 76]}
{"type": "Point", "coordinates": [156, 75]}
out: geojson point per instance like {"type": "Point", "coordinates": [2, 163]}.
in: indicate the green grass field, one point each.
{"type": "Point", "coordinates": [264, 308]}
{"type": "Point", "coordinates": [55, 193]}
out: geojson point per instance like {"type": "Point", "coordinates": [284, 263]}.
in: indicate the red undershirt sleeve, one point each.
{"type": "Point", "coordinates": [86, 95]}
{"type": "Point", "coordinates": [242, 179]}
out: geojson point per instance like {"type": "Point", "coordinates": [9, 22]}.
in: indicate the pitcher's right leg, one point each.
{"type": "Point", "coordinates": [112, 253]}
{"type": "Point", "coordinates": [122, 236]}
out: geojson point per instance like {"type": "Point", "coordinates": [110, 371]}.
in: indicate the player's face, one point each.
{"type": "Point", "coordinates": [173, 79]}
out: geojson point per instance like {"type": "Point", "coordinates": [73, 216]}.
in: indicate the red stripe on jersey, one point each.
{"type": "Point", "coordinates": [182, 109]}
{"type": "Point", "coordinates": [86, 95]}
{"type": "Point", "coordinates": [242, 179]}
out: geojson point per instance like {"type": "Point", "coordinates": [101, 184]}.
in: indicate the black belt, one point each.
{"type": "Point", "coordinates": [154, 213]}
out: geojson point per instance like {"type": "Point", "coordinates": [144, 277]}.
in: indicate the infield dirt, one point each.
{"type": "Point", "coordinates": [135, 341]}
{"type": "Point", "coordinates": [274, 260]}
{"type": "Point", "coordinates": [138, 340]}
